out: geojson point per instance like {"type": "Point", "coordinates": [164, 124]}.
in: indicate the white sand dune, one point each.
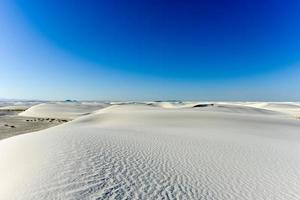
{"type": "Point", "coordinates": [175, 104]}
{"type": "Point", "coordinates": [150, 152]}
{"type": "Point", "coordinates": [290, 108]}
{"type": "Point", "coordinates": [62, 110]}
{"type": "Point", "coordinates": [15, 105]}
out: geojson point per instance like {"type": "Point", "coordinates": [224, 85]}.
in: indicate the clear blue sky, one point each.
{"type": "Point", "coordinates": [150, 50]}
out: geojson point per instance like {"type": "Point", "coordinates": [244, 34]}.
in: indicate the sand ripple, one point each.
{"type": "Point", "coordinates": [137, 152]}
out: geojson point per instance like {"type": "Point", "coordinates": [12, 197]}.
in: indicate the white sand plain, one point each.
{"type": "Point", "coordinates": [156, 150]}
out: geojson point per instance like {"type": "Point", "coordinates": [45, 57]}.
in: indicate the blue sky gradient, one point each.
{"type": "Point", "coordinates": [150, 50]}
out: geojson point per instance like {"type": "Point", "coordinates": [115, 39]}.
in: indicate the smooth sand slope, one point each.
{"type": "Point", "coordinates": [151, 152]}
{"type": "Point", "coordinates": [16, 105]}
{"type": "Point", "coordinates": [62, 110]}
{"type": "Point", "coordinates": [290, 108]}
{"type": "Point", "coordinates": [40, 115]}
{"type": "Point", "coordinates": [11, 124]}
